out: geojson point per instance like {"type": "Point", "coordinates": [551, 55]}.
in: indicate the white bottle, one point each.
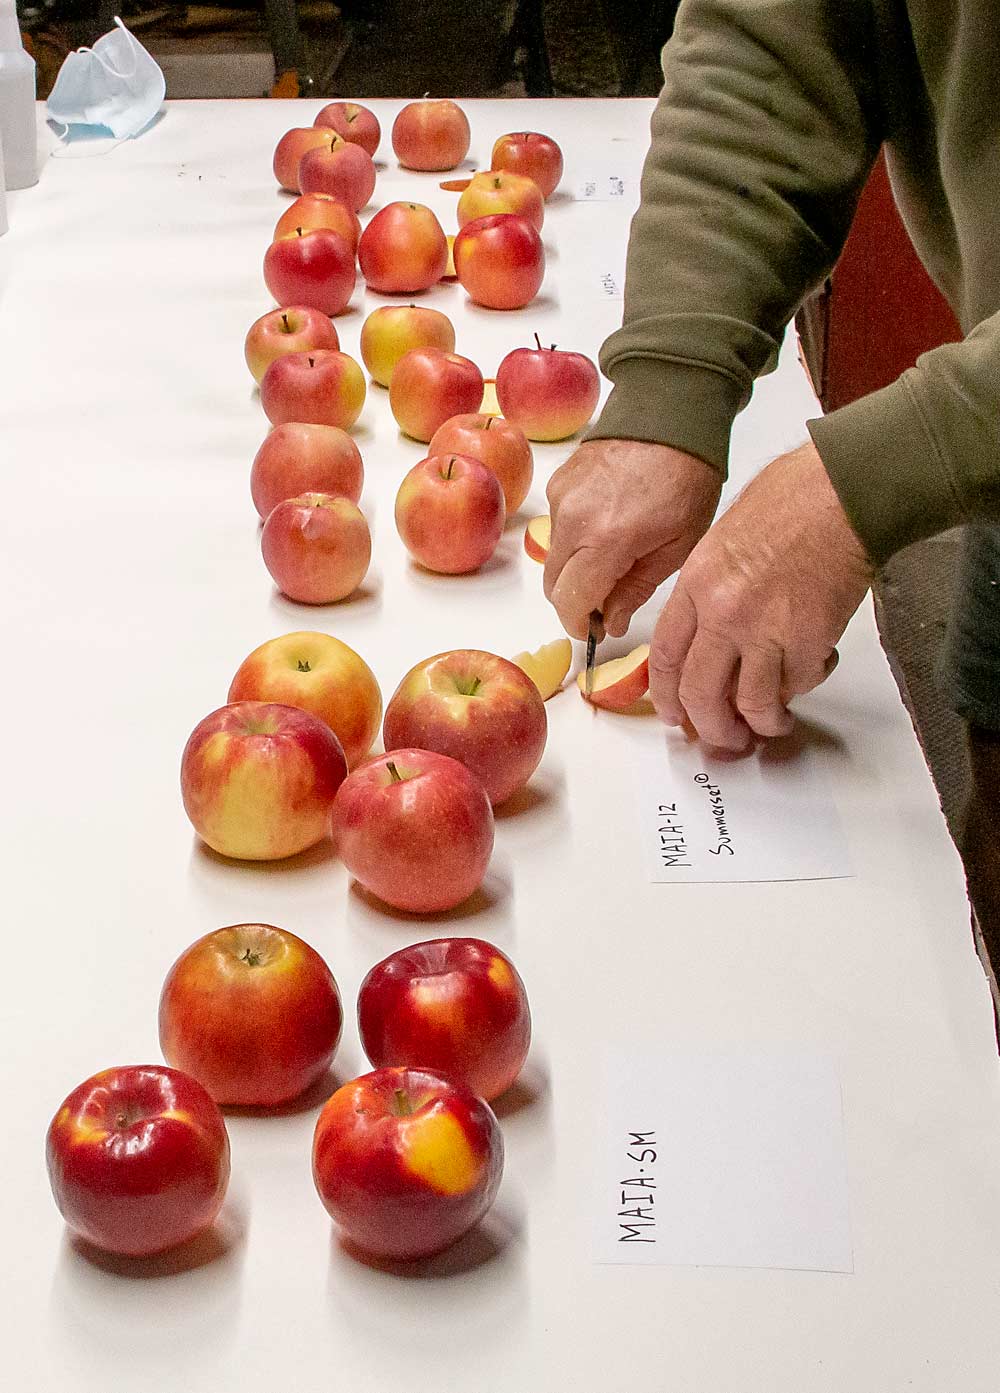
{"type": "Point", "coordinates": [17, 103]}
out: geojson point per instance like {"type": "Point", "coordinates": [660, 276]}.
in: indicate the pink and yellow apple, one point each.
{"type": "Point", "coordinates": [346, 171]}
{"type": "Point", "coordinates": [495, 191]}
{"type": "Point", "coordinates": [324, 388]}
{"type": "Point", "coordinates": [476, 707]}
{"type": "Point", "coordinates": [353, 123]}
{"type": "Point", "coordinates": [392, 330]}
{"type": "Point", "coordinates": [431, 135]}
{"type": "Point", "coordinates": [428, 386]}
{"type": "Point", "coordinates": [547, 666]}
{"type": "Point", "coordinates": [317, 548]}
{"type": "Point", "coordinates": [311, 268]}
{"type": "Point", "coordinates": [258, 779]}
{"type": "Point", "coordinates": [531, 153]}
{"type": "Point", "coordinates": [500, 261]}
{"type": "Point", "coordinates": [290, 149]}
{"type": "Point", "coordinates": [297, 457]}
{"type": "Point", "coordinates": [402, 250]}
{"type": "Point", "coordinates": [450, 513]}
{"type": "Point", "coordinates": [620, 683]}
{"type": "Point", "coordinates": [313, 210]}
{"type": "Point", "coordinates": [293, 330]}
{"type": "Point", "coordinates": [548, 392]}
{"type": "Point", "coordinates": [502, 447]}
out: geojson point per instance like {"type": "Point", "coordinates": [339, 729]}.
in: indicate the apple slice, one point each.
{"type": "Point", "coordinates": [620, 683]}
{"type": "Point", "coordinates": [489, 405]}
{"type": "Point", "coordinates": [455, 185]}
{"type": "Point", "coordinates": [547, 666]}
{"type": "Point", "coordinates": [537, 535]}
{"type": "Point", "coordinates": [450, 274]}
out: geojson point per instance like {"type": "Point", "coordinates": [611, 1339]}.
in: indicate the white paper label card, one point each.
{"type": "Point", "coordinates": [611, 285]}
{"type": "Point", "coordinates": [769, 816]}
{"type": "Point", "coordinates": [605, 186]}
{"type": "Point", "coordinates": [722, 1160]}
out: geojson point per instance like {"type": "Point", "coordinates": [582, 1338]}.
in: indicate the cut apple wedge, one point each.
{"type": "Point", "coordinates": [620, 683]}
{"type": "Point", "coordinates": [455, 185]}
{"type": "Point", "coordinates": [490, 405]}
{"type": "Point", "coordinates": [537, 535]}
{"type": "Point", "coordinates": [450, 274]}
{"type": "Point", "coordinates": [547, 666]}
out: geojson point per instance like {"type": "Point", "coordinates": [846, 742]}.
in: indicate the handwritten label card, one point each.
{"type": "Point", "coordinates": [722, 1160]}
{"type": "Point", "coordinates": [770, 816]}
{"type": "Point", "coordinates": [610, 286]}
{"type": "Point", "coordinates": [605, 186]}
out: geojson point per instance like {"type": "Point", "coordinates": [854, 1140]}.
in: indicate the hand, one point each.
{"type": "Point", "coordinates": [759, 606]}
{"type": "Point", "coordinates": [625, 514]}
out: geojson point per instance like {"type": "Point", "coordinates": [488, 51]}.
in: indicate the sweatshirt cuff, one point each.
{"type": "Point", "coordinates": [683, 405]}
{"type": "Point", "coordinates": [886, 470]}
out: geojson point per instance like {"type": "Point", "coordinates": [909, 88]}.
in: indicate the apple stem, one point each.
{"type": "Point", "coordinates": [475, 686]}
{"type": "Point", "coordinates": [401, 1103]}
{"type": "Point", "coordinates": [489, 422]}
{"type": "Point", "coordinates": [538, 341]}
{"type": "Point", "coordinates": [121, 1119]}
{"type": "Point", "coordinates": [312, 362]}
{"type": "Point", "coordinates": [299, 231]}
{"type": "Point", "coordinates": [397, 778]}
{"type": "Point", "coordinates": [451, 465]}
{"type": "Point", "coordinates": [284, 320]}
{"type": "Point", "coordinates": [552, 347]}
{"type": "Point", "coordinates": [251, 958]}
{"type": "Point", "coordinates": [303, 665]}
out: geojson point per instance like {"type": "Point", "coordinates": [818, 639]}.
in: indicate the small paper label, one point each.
{"type": "Point", "coordinates": [611, 286]}
{"type": "Point", "coordinates": [603, 188]}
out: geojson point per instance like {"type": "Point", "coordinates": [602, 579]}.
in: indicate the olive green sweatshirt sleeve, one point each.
{"type": "Point", "coordinates": [762, 139]}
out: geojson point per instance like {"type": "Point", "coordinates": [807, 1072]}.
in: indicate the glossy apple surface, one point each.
{"type": "Point", "coordinates": [415, 828]}
{"type": "Point", "coordinates": [324, 388]}
{"type": "Point", "coordinates": [319, 674]}
{"type": "Point", "coordinates": [548, 392]}
{"type": "Point", "coordinates": [427, 386]}
{"type": "Point", "coordinates": [495, 191]}
{"type": "Point", "coordinates": [296, 329]}
{"type": "Point", "coordinates": [343, 170]}
{"type": "Point", "coordinates": [253, 1013]}
{"type": "Point", "coordinates": [450, 513]}
{"type": "Point", "coordinates": [531, 153]}
{"type": "Point", "coordinates": [620, 683]}
{"type": "Point", "coordinates": [476, 707]}
{"type": "Point", "coordinates": [547, 666]}
{"type": "Point", "coordinates": [392, 330]}
{"type": "Point", "coordinates": [406, 1161]}
{"type": "Point", "coordinates": [314, 210]}
{"type": "Point", "coordinates": [453, 1004]}
{"type": "Point", "coordinates": [402, 250]}
{"type": "Point", "coordinates": [297, 457]}
{"type": "Point", "coordinates": [317, 547]}
{"type": "Point", "coordinates": [311, 268]}
{"type": "Point", "coordinates": [500, 445]}
{"type": "Point", "coordinates": [431, 135]}
{"type": "Point", "coordinates": [138, 1159]}
{"type": "Point", "coordinates": [290, 149]}
{"type": "Point", "coordinates": [500, 261]}
{"type": "Point", "coordinates": [353, 123]}
{"type": "Point", "coordinates": [258, 779]}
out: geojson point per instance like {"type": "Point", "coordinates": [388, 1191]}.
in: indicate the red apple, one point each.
{"type": "Point", "coordinates": [549, 393]}
{"type": "Point", "coordinates": [620, 683]}
{"type": "Point", "coordinates": [501, 446]}
{"type": "Point", "coordinates": [450, 513]}
{"type": "Point", "coordinates": [353, 123]}
{"type": "Point", "coordinates": [402, 250]}
{"type": "Point", "coordinates": [293, 330]}
{"type": "Point", "coordinates": [313, 210]}
{"type": "Point", "coordinates": [500, 261]}
{"type": "Point", "coordinates": [477, 708]}
{"type": "Point", "coordinates": [538, 537]}
{"type": "Point", "coordinates": [494, 191]}
{"type": "Point", "coordinates": [317, 547]}
{"type": "Point", "coordinates": [311, 268]}
{"type": "Point", "coordinates": [392, 330]}
{"type": "Point", "coordinates": [138, 1159]}
{"type": "Point", "coordinates": [406, 1161]}
{"type": "Point", "coordinates": [300, 458]}
{"type": "Point", "coordinates": [428, 386]}
{"type": "Point", "coordinates": [323, 388]}
{"type": "Point", "coordinates": [431, 135]}
{"type": "Point", "coordinates": [258, 779]}
{"type": "Point", "coordinates": [528, 152]}
{"type": "Point", "coordinates": [415, 828]}
{"type": "Point", "coordinates": [343, 170]}
{"type": "Point", "coordinates": [252, 1013]}
{"type": "Point", "coordinates": [292, 146]}
{"type": "Point", "coordinates": [319, 674]}
{"type": "Point", "coordinates": [453, 1004]}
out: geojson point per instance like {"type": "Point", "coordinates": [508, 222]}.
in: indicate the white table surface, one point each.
{"type": "Point", "coordinates": [133, 587]}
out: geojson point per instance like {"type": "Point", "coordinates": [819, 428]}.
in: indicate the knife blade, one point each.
{"type": "Point", "coordinates": [596, 626]}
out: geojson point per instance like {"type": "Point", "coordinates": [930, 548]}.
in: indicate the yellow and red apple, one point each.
{"type": "Point", "coordinates": [341, 169]}
{"type": "Point", "coordinates": [311, 268]}
{"type": "Point", "coordinates": [324, 388]}
{"type": "Point", "coordinates": [501, 446]}
{"type": "Point", "coordinates": [531, 153]}
{"type": "Point", "coordinates": [293, 330]}
{"type": "Point", "coordinates": [496, 191]}
{"type": "Point", "coordinates": [428, 385]}
{"type": "Point", "coordinates": [431, 135]}
{"type": "Point", "coordinates": [548, 392]}
{"type": "Point", "coordinates": [402, 250]}
{"type": "Point", "coordinates": [353, 123]}
{"type": "Point", "coordinates": [313, 210]}
{"type": "Point", "coordinates": [500, 261]}
{"type": "Point", "coordinates": [392, 330]}
{"type": "Point", "coordinates": [317, 547]}
{"type": "Point", "coordinates": [292, 146]}
{"type": "Point", "coordinates": [450, 513]}
{"type": "Point", "coordinates": [299, 457]}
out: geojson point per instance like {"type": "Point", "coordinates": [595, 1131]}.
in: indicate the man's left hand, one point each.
{"type": "Point", "coordinates": [759, 606]}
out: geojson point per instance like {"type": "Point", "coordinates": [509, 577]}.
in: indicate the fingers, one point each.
{"type": "Point", "coordinates": [672, 637]}
{"type": "Point", "coordinates": [637, 586]}
{"type": "Point", "coordinates": [581, 587]}
{"type": "Point", "coordinates": [802, 672]}
{"type": "Point", "coordinates": [758, 691]}
{"type": "Point", "coordinates": [705, 691]}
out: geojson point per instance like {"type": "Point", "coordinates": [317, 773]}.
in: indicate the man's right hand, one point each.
{"type": "Point", "coordinates": [625, 514]}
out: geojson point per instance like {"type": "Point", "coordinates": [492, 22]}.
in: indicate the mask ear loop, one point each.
{"type": "Point", "coordinates": [109, 67]}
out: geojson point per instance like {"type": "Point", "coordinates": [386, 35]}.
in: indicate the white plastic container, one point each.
{"type": "Point", "coordinates": [17, 103]}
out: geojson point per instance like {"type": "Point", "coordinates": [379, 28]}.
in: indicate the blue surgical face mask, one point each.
{"type": "Point", "coordinates": [116, 84]}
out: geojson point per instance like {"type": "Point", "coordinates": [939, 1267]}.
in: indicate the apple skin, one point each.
{"type": "Point", "coordinates": [296, 329]}
{"type": "Point", "coordinates": [427, 386]}
{"type": "Point", "coordinates": [317, 548]}
{"type": "Point", "coordinates": [419, 838]}
{"type": "Point", "coordinates": [500, 261]}
{"type": "Point", "coordinates": [290, 149]}
{"type": "Point", "coordinates": [311, 268]}
{"type": "Point", "coordinates": [537, 538]}
{"type": "Point", "coordinates": [549, 393]}
{"type": "Point", "coordinates": [450, 513]}
{"type": "Point", "coordinates": [402, 250]}
{"type": "Point", "coordinates": [476, 707]}
{"type": "Point", "coordinates": [253, 1013]}
{"type": "Point", "coordinates": [495, 191]}
{"type": "Point", "coordinates": [531, 153]}
{"type": "Point", "coordinates": [457, 1005]}
{"type": "Point", "coordinates": [323, 388]}
{"type": "Point", "coordinates": [431, 135]}
{"type": "Point", "coordinates": [392, 330]}
{"type": "Point", "coordinates": [346, 171]}
{"type": "Point", "coordinates": [406, 1161]}
{"type": "Point", "coordinates": [258, 779]}
{"type": "Point", "coordinates": [500, 445]}
{"type": "Point", "coordinates": [619, 683]}
{"type": "Point", "coordinates": [297, 457]}
{"type": "Point", "coordinates": [319, 674]}
{"type": "Point", "coordinates": [138, 1159]}
{"type": "Point", "coordinates": [353, 123]}
{"type": "Point", "coordinates": [313, 210]}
